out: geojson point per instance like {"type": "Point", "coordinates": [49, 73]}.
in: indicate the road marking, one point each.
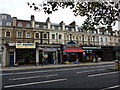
{"type": "Point", "coordinates": [71, 69]}
{"type": "Point", "coordinates": [26, 72]}
{"type": "Point", "coordinates": [110, 87]}
{"type": "Point", "coordinates": [25, 84]}
{"type": "Point", "coordinates": [85, 71]}
{"type": "Point", "coordinates": [34, 77]}
{"type": "Point", "coordinates": [101, 74]}
{"type": "Point", "coordinates": [102, 66]}
{"type": "Point", "coordinates": [90, 71]}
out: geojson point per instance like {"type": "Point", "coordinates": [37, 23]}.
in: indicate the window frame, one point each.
{"type": "Point", "coordinates": [28, 34]}
{"type": "Point", "coordinates": [18, 34]}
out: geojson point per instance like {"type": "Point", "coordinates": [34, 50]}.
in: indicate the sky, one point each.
{"type": "Point", "coordinates": [20, 9]}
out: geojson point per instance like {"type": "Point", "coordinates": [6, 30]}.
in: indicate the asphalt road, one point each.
{"type": "Point", "coordinates": [96, 76]}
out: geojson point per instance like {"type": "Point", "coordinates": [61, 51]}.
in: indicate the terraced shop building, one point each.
{"type": "Point", "coordinates": [28, 41]}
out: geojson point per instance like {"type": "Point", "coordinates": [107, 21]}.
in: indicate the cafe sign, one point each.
{"type": "Point", "coordinates": [25, 45]}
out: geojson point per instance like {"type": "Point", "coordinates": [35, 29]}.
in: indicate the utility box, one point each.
{"type": "Point", "coordinates": [117, 64]}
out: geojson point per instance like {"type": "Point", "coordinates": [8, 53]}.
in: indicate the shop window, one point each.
{"type": "Point", "coordinates": [60, 36]}
{"type": "Point", "coordinates": [7, 34]}
{"type": "Point", "coordinates": [19, 34]}
{"type": "Point", "coordinates": [45, 35]}
{"type": "Point", "coordinates": [37, 35]}
{"type": "Point", "coordinates": [28, 34]}
{"type": "Point", "coordinates": [20, 24]}
{"type": "Point", "coordinates": [53, 36]}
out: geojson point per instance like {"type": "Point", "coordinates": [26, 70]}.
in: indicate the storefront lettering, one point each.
{"type": "Point", "coordinates": [72, 47]}
{"type": "Point", "coordinates": [25, 45]}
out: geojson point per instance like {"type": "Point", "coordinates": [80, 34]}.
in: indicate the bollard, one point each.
{"type": "Point", "coordinates": [117, 66]}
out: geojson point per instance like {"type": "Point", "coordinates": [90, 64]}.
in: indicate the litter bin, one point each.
{"type": "Point", "coordinates": [117, 66]}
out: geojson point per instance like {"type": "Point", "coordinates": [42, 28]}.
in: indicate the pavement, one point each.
{"type": "Point", "coordinates": [24, 67]}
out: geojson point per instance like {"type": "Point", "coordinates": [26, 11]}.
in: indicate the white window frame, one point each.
{"type": "Point", "coordinates": [27, 25]}
{"type": "Point", "coordinates": [19, 25]}
{"type": "Point", "coordinates": [18, 35]}
{"type": "Point", "coordinates": [52, 36]}
{"type": "Point", "coordinates": [28, 35]}
{"type": "Point", "coordinates": [6, 34]}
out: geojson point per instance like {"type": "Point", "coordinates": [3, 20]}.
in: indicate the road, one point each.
{"type": "Point", "coordinates": [93, 76]}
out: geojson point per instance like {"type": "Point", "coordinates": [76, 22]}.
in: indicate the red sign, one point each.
{"type": "Point", "coordinates": [72, 48]}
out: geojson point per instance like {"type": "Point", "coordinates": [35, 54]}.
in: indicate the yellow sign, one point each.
{"type": "Point", "coordinates": [25, 45]}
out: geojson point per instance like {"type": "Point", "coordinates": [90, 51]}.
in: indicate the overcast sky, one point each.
{"type": "Point", "coordinates": [20, 9]}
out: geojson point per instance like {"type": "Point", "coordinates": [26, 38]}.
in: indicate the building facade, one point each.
{"type": "Point", "coordinates": [28, 41]}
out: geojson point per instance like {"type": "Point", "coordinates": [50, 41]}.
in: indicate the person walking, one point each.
{"type": "Point", "coordinates": [44, 62]}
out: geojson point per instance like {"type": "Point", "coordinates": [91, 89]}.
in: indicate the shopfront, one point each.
{"type": "Point", "coordinates": [25, 53]}
{"type": "Point", "coordinates": [72, 52]}
{"type": "Point", "coordinates": [92, 52]}
{"type": "Point", "coordinates": [50, 52]}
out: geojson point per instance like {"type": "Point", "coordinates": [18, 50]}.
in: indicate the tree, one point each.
{"type": "Point", "coordinates": [98, 13]}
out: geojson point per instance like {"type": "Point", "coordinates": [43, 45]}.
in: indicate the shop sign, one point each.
{"type": "Point", "coordinates": [91, 47]}
{"type": "Point", "coordinates": [72, 48]}
{"type": "Point", "coordinates": [25, 45]}
{"type": "Point", "coordinates": [49, 48]}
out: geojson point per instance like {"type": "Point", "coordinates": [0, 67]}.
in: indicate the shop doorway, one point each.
{"type": "Point", "coordinates": [51, 57]}
{"type": "Point", "coordinates": [25, 56]}
{"type": "Point", "coordinates": [11, 59]}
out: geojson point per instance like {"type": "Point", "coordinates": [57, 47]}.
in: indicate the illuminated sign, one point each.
{"type": "Point", "coordinates": [72, 48]}
{"type": "Point", "coordinates": [25, 45]}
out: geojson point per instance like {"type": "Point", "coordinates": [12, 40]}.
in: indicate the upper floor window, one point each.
{"type": "Point", "coordinates": [44, 26]}
{"type": "Point", "coordinates": [53, 27]}
{"type": "Point", "coordinates": [53, 36]}
{"type": "Point", "coordinates": [37, 35]}
{"type": "Point", "coordinates": [45, 35]}
{"type": "Point", "coordinates": [37, 25]}
{"type": "Point", "coordinates": [73, 37]}
{"type": "Point", "coordinates": [7, 34]}
{"type": "Point", "coordinates": [0, 23]}
{"type": "Point", "coordinates": [60, 36]}
{"type": "Point", "coordinates": [72, 29]}
{"type": "Point", "coordinates": [19, 34]}
{"type": "Point", "coordinates": [20, 24]}
{"type": "Point", "coordinates": [8, 24]}
{"type": "Point", "coordinates": [4, 16]}
{"type": "Point", "coordinates": [79, 38]}
{"type": "Point", "coordinates": [27, 25]}
{"type": "Point", "coordinates": [106, 39]}
{"type": "Point", "coordinates": [59, 28]}
{"type": "Point", "coordinates": [28, 34]}
{"type": "Point", "coordinates": [67, 37]}
{"type": "Point", "coordinates": [101, 39]}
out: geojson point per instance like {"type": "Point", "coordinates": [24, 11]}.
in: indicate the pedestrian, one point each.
{"type": "Point", "coordinates": [96, 58]}
{"type": "Point", "coordinates": [44, 62]}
